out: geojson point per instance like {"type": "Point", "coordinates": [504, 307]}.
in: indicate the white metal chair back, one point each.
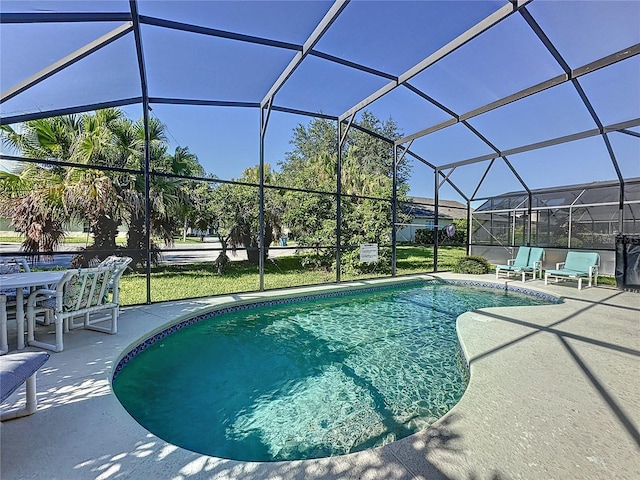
{"type": "Point", "coordinates": [9, 265]}
{"type": "Point", "coordinates": [13, 265]}
{"type": "Point", "coordinates": [121, 264]}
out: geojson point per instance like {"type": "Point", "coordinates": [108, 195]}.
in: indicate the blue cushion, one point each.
{"type": "Point", "coordinates": [536, 255]}
{"type": "Point", "coordinates": [15, 368]}
{"type": "Point", "coordinates": [10, 293]}
{"type": "Point", "coordinates": [522, 258]}
{"type": "Point", "coordinates": [525, 259]}
{"type": "Point", "coordinates": [514, 268]}
{"type": "Point", "coordinates": [567, 272]}
{"type": "Point", "coordinates": [581, 261]}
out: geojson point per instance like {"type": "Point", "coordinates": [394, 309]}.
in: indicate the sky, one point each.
{"type": "Point", "coordinates": [387, 36]}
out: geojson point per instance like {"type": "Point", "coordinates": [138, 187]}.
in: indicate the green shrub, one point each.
{"type": "Point", "coordinates": [423, 236]}
{"type": "Point", "coordinates": [563, 242]}
{"type": "Point", "coordinates": [473, 264]}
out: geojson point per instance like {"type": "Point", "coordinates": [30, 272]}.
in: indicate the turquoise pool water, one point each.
{"type": "Point", "coordinates": [310, 379]}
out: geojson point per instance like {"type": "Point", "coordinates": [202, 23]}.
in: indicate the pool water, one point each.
{"type": "Point", "coordinates": [309, 379]}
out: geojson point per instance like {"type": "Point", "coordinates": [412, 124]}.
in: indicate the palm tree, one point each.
{"type": "Point", "coordinates": [183, 162]}
{"type": "Point", "coordinates": [32, 198]}
{"type": "Point", "coordinates": [105, 199]}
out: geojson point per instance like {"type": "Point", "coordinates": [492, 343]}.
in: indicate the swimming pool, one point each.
{"type": "Point", "coordinates": [297, 379]}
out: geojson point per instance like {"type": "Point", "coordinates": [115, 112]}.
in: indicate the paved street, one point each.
{"type": "Point", "coordinates": [179, 254]}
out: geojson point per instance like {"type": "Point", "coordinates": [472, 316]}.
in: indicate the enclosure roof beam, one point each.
{"type": "Point", "coordinates": [616, 127]}
{"type": "Point", "coordinates": [558, 80]}
{"type": "Point", "coordinates": [515, 173]}
{"type": "Point", "coordinates": [64, 17]}
{"type": "Point", "coordinates": [433, 167]}
{"type": "Point", "coordinates": [68, 111]}
{"type": "Point", "coordinates": [230, 103]}
{"type": "Point", "coordinates": [350, 64]}
{"type": "Point", "coordinates": [488, 107]}
{"type": "Point", "coordinates": [547, 143]}
{"type": "Point", "coordinates": [214, 32]}
{"type": "Point", "coordinates": [335, 10]}
{"type": "Point", "coordinates": [203, 103]}
{"type": "Point", "coordinates": [186, 27]}
{"type": "Point", "coordinates": [405, 150]}
{"type": "Point", "coordinates": [430, 99]}
{"type": "Point", "coordinates": [495, 149]}
{"type": "Point", "coordinates": [545, 40]}
{"type": "Point", "coordinates": [486, 172]}
{"type": "Point", "coordinates": [304, 113]}
{"type": "Point", "coordinates": [464, 38]}
{"type": "Point", "coordinates": [370, 132]}
{"type": "Point", "coordinates": [70, 59]}
{"type": "Point", "coordinates": [47, 17]}
{"type": "Point", "coordinates": [629, 132]}
{"type": "Point", "coordinates": [159, 101]}
{"type": "Point", "coordinates": [583, 96]}
{"type": "Point", "coordinates": [450, 47]}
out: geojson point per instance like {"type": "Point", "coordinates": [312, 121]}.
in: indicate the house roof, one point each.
{"type": "Point", "coordinates": [425, 208]}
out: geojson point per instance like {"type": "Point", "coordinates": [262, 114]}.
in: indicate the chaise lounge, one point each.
{"type": "Point", "coordinates": [577, 265]}
{"type": "Point", "coordinates": [527, 261]}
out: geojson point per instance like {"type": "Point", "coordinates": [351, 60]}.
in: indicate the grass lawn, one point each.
{"type": "Point", "coordinates": [417, 259]}
{"type": "Point", "coordinates": [201, 279]}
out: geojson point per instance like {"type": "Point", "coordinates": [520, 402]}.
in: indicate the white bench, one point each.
{"type": "Point", "coordinates": [16, 369]}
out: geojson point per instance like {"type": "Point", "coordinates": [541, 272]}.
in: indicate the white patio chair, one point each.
{"type": "Point", "coordinates": [81, 293]}
{"type": "Point", "coordinates": [13, 265]}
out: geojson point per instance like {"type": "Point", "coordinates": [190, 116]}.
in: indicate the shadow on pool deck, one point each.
{"type": "Point", "coordinates": [564, 337]}
{"type": "Point", "coordinates": [553, 394]}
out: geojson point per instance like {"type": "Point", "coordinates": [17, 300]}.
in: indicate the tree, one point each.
{"type": "Point", "coordinates": [86, 194]}
{"type": "Point", "coordinates": [366, 172]}
{"type": "Point", "coordinates": [33, 200]}
{"type": "Point", "coordinates": [185, 163]}
{"type": "Point", "coordinates": [104, 199]}
{"type": "Point", "coordinates": [236, 215]}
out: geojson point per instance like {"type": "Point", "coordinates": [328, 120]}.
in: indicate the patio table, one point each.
{"type": "Point", "coordinates": [19, 281]}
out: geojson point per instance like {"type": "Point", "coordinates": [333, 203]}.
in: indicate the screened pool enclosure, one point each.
{"type": "Point", "coordinates": [259, 144]}
{"type": "Point", "coordinates": [577, 217]}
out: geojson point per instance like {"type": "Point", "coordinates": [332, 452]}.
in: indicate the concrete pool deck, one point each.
{"type": "Point", "coordinates": [554, 394]}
